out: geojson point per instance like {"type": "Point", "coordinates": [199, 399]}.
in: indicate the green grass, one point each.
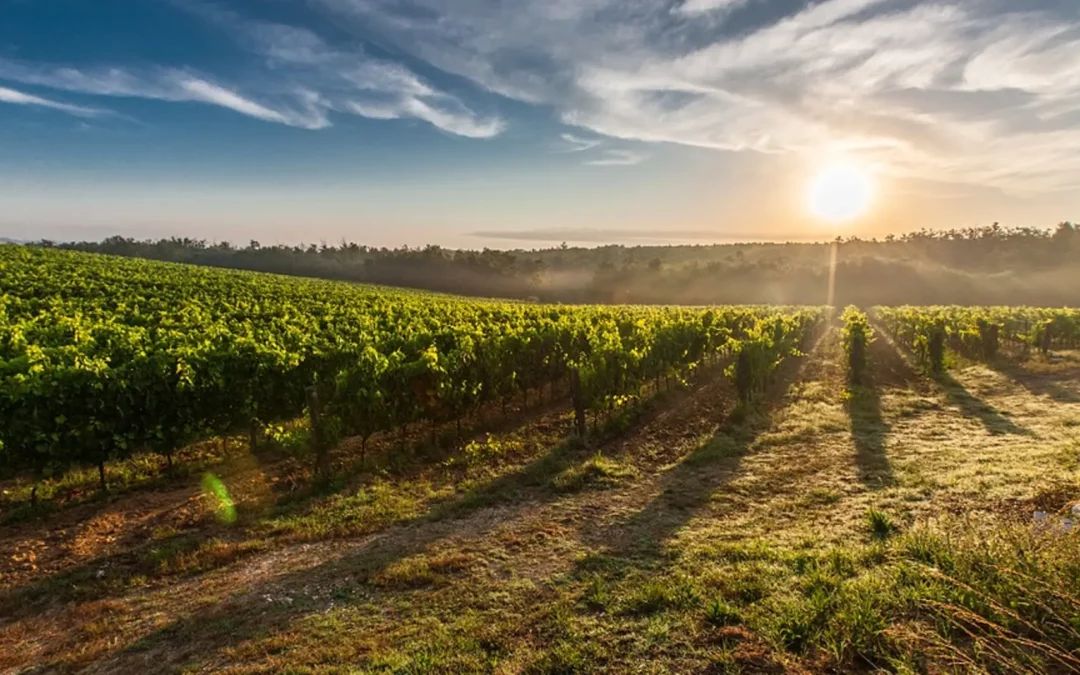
{"type": "Point", "coordinates": [687, 541]}
{"type": "Point", "coordinates": [596, 472]}
{"type": "Point", "coordinates": [881, 525]}
{"type": "Point", "coordinates": [722, 613]}
{"type": "Point", "coordinates": [142, 471]}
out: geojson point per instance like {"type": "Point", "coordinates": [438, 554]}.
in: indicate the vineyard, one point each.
{"type": "Point", "coordinates": [102, 357]}
{"type": "Point", "coordinates": [209, 470]}
{"type": "Point", "coordinates": [980, 333]}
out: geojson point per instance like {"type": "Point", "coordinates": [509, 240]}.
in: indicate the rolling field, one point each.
{"type": "Point", "coordinates": [553, 489]}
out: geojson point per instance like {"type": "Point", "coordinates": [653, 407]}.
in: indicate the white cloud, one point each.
{"type": "Point", "coordinates": [375, 111]}
{"type": "Point", "coordinates": [457, 123]}
{"type": "Point", "coordinates": [900, 83]}
{"type": "Point", "coordinates": [461, 123]}
{"type": "Point", "coordinates": [207, 92]}
{"type": "Point", "coordinates": [617, 158]}
{"type": "Point", "coordinates": [20, 98]}
{"type": "Point", "coordinates": [167, 85]}
{"type": "Point", "coordinates": [579, 144]}
{"type": "Point", "coordinates": [305, 80]}
{"type": "Point", "coordinates": [605, 156]}
{"type": "Point", "coordinates": [347, 77]}
{"type": "Point", "coordinates": [702, 6]}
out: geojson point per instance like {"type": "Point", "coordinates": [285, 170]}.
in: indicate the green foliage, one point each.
{"type": "Point", "coordinates": [993, 596]}
{"type": "Point", "coordinates": [857, 336]}
{"type": "Point", "coordinates": [760, 344]}
{"type": "Point", "coordinates": [658, 594]}
{"type": "Point", "coordinates": [979, 333]}
{"type": "Point", "coordinates": [103, 356]}
{"type": "Point", "coordinates": [485, 451]}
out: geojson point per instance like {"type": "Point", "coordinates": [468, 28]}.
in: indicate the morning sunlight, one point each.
{"type": "Point", "coordinates": [540, 337]}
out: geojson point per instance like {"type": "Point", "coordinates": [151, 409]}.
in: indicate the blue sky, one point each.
{"type": "Point", "coordinates": [486, 122]}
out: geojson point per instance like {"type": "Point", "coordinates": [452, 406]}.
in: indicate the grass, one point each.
{"type": "Point", "coordinates": [722, 613]}
{"type": "Point", "coordinates": [881, 525]}
{"type": "Point", "coordinates": [889, 529]}
{"type": "Point", "coordinates": [141, 471]}
{"type": "Point", "coordinates": [597, 472]}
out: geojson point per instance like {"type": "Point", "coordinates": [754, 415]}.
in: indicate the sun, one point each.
{"type": "Point", "coordinates": [841, 193]}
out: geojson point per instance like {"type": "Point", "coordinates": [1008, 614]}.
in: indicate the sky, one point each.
{"type": "Point", "coordinates": [523, 123]}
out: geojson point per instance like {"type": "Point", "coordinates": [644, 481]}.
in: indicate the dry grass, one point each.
{"type": "Point", "coordinates": [685, 542]}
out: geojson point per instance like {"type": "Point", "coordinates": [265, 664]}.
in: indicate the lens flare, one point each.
{"type": "Point", "coordinates": [215, 489]}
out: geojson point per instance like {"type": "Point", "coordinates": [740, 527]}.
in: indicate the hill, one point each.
{"type": "Point", "coordinates": [987, 266]}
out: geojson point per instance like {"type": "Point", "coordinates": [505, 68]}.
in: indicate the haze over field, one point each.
{"type": "Point", "coordinates": [484, 123]}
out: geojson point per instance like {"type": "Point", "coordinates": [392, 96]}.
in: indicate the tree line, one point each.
{"type": "Point", "coordinates": [982, 265]}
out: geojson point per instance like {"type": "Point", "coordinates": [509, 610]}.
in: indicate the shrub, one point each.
{"type": "Point", "coordinates": [857, 338]}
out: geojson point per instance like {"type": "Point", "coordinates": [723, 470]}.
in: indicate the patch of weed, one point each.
{"type": "Point", "coordinates": [596, 472]}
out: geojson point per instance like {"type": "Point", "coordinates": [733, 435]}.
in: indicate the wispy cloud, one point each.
{"type": "Point", "coordinates": [313, 117]}
{"type": "Point", "coordinates": [304, 81]}
{"type": "Point", "coordinates": [578, 144]}
{"type": "Point", "coordinates": [617, 158]}
{"type": "Point", "coordinates": [165, 84]}
{"type": "Point", "coordinates": [347, 79]}
{"type": "Point", "coordinates": [862, 76]}
{"type": "Point", "coordinates": [21, 98]}
{"type": "Point", "coordinates": [702, 6]}
{"type": "Point", "coordinates": [597, 153]}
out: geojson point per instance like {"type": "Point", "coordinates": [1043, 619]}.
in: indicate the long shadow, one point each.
{"type": "Point", "coordinates": [529, 485]}
{"type": "Point", "coordinates": [957, 395]}
{"type": "Point", "coordinates": [688, 487]}
{"type": "Point", "coordinates": [1040, 384]}
{"type": "Point", "coordinates": [869, 432]}
{"type": "Point", "coordinates": [248, 615]}
{"type": "Point", "coordinates": [270, 606]}
{"type": "Point", "coordinates": [103, 576]}
{"type": "Point", "coordinates": [975, 408]}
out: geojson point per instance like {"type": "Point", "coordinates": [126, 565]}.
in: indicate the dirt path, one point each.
{"type": "Point", "coordinates": [533, 542]}
{"type": "Point", "coordinates": [683, 490]}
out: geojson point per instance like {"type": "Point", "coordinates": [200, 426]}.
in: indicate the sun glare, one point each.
{"type": "Point", "coordinates": [840, 193]}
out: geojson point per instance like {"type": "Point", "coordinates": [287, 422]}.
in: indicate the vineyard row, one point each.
{"type": "Point", "coordinates": [101, 357]}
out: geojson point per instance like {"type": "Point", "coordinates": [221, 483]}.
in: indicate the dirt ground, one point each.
{"type": "Point", "coordinates": [496, 558]}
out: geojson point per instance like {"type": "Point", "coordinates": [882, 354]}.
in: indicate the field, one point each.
{"type": "Point", "coordinates": [201, 477]}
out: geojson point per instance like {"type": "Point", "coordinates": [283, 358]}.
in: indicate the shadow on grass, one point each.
{"type": "Point", "coordinates": [249, 615]}
{"type": "Point", "coordinates": [179, 555]}
{"type": "Point", "coordinates": [109, 575]}
{"type": "Point", "coordinates": [975, 408]}
{"type": "Point", "coordinates": [956, 394]}
{"type": "Point", "coordinates": [1040, 384]}
{"type": "Point", "coordinates": [869, 431]}
{"type": "Point", "coordinates": [688, 487]}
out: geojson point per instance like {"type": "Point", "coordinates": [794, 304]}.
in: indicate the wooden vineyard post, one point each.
{"type": "Point", "coordinates": [744, 381]}
{"type": "Point", "coordinates": [936, 349]}
{"type": "Point", "coordinates": [579, 402]}
{"type": "Point", "coordinates": [318, 439]}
